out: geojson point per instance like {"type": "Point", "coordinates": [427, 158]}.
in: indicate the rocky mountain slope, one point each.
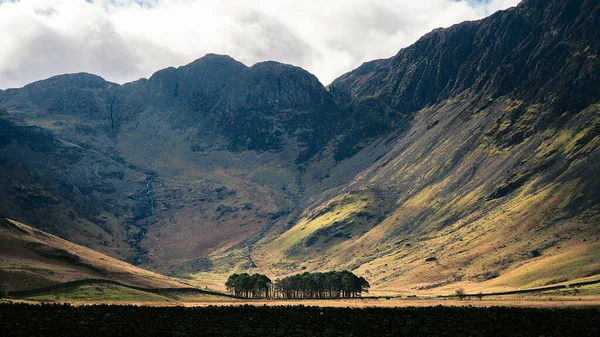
{"type": "Point", "coordinates": [469, 157]}
{"type": "Point", "coordinates": [182, 142]}
{"type": "Point", "coordinates": [489, 167]}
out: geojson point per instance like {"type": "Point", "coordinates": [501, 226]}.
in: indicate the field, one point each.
{"type": "Point", "coordinates": [90, 291]}
{"type": "Point", "coordinates": [104, 320]}
{"type": "Point", "coordinates": [126, 298]}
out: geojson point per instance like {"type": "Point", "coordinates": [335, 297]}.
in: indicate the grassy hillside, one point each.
{"type": "Point", "coordinates": [111, 291]}
{"type": "Point", "coordinates": [467, 208]}
{"type": "Point", "coordinates": [96, 293]}
{"type": "Point", "coordinates": [30, 258]}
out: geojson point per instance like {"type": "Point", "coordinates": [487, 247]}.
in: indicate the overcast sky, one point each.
{"type": "Point", "coordinates": [123, 40]}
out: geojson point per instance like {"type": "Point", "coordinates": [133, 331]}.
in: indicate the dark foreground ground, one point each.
{"type": "Point", "coordinates": [105, 320]}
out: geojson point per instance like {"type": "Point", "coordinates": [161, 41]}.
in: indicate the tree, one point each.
{"type": "Point", "coordinates": [246, 285]}
{"type": "Point", "coordinates": [350, 284]}
{"type": "Point", "coordinates": [230, 284]}
{"type": "Point", "coordinates": [460, 292]}
{"type": "Point", "coordinates": [364, 284]}
{"type": "Point", "coordinates": [320, 285]}
{"type": "Point", "coordinates": [261, 285]}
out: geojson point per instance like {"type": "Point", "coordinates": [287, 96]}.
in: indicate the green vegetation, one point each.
{"type": "Point", "coordinates": [97, 292]}
{"type": "Point", "coordinates": [343, 210]}
{"type": "Point", "coordinates": [245, 285]}
{"type": "Point", "coordinates": [586, 290]}
{"type": "Point", "coordinates": [331, 284]}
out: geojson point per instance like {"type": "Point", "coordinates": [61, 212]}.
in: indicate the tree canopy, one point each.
{"type": "Point", "coordinates": [322, 285]}
{"type": "Point", "coordinates": [333, 284]}
{"type": "Point", "coordinates": [246, 285]}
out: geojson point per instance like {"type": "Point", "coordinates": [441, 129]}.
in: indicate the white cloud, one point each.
{"type": "Point", "coordinates": [123, 40]}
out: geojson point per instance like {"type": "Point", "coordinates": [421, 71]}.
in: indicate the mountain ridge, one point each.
{"type": "Point", "coordinates": [474, 146]}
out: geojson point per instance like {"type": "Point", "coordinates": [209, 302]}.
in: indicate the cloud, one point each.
{"type": "Point", "coordinates": [123, 40]}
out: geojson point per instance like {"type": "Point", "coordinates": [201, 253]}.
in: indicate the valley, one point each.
{"type": "Point", "coordinates": [469, 159]}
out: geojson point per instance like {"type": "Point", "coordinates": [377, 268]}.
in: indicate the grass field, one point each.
{"type": "Point", "coordinates": [98, 293]}
{"type": "Point", "coordinates": [586, 296]}
{"type": "Point", "coordinates": [523, 302]}
{"type": "Point", "coordinates": [86, 292]}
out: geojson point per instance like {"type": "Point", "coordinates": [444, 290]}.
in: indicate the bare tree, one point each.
{"type": "Point", "coordinates": [460, 292]}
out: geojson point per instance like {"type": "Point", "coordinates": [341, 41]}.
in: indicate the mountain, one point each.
{"type": "Point", "coordinates": [189, 151]}
{"type": "Point", "coordinates": [467, 159]}
{"type": "Point", "coordinates": [488, 163]}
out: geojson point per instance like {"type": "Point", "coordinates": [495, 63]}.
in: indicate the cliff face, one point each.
{"type": "Point", "coordinates": [472, 148]}
{"type": "Point", "coordinates": [254, 108]}
{"type": "Point", "coordinates": [539, 52]}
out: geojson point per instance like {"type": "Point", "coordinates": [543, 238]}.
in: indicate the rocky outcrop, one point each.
{"type": "Point", "coordinates": [262, 107]}
{"type": "Point", "coordinates": [539, 52]}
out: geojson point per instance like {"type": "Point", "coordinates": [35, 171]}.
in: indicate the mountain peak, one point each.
{"type": "Point", "coordinates": [215, 60]}
{"type": "Point", "coordinates": [272, 65]}
{"type": "Point", "coordinates": [79, 80]}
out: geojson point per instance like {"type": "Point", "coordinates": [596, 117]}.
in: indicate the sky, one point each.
{"type": "Point", "coordinates": [124, 40]}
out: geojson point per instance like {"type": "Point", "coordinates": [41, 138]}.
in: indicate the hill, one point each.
{"type": "Point", "coordinates": [30, 259]}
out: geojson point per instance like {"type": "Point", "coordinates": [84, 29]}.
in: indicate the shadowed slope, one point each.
{"type": "Point", "coordinates": [30, 258]}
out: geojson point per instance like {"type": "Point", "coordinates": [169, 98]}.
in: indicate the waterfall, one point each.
{"type": "Point", "coordinates": [150, 192]}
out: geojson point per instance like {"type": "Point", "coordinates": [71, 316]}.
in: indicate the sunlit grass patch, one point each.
{"type": "Point", "coordinates": [97, 292]}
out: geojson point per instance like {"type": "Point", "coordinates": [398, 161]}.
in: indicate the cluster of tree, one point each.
{"type": "Point", "coordinates": [333, 284]}
{"type": "Point", "coordinates": [246, 285]}
{"type": "Point", "coordinates": [321, 285]}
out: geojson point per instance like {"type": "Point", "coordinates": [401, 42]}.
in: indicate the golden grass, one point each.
{"type": "Point", "coordinates": [98, 293]}
{"type": "Point", "coordinates": [558, 301]}
{"type": "Point", "coordinates": [569, 265]}
{"type": "Point", "coordinates": [28, 269]}
{"type": "Point", "coordinates": [343, 209]}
